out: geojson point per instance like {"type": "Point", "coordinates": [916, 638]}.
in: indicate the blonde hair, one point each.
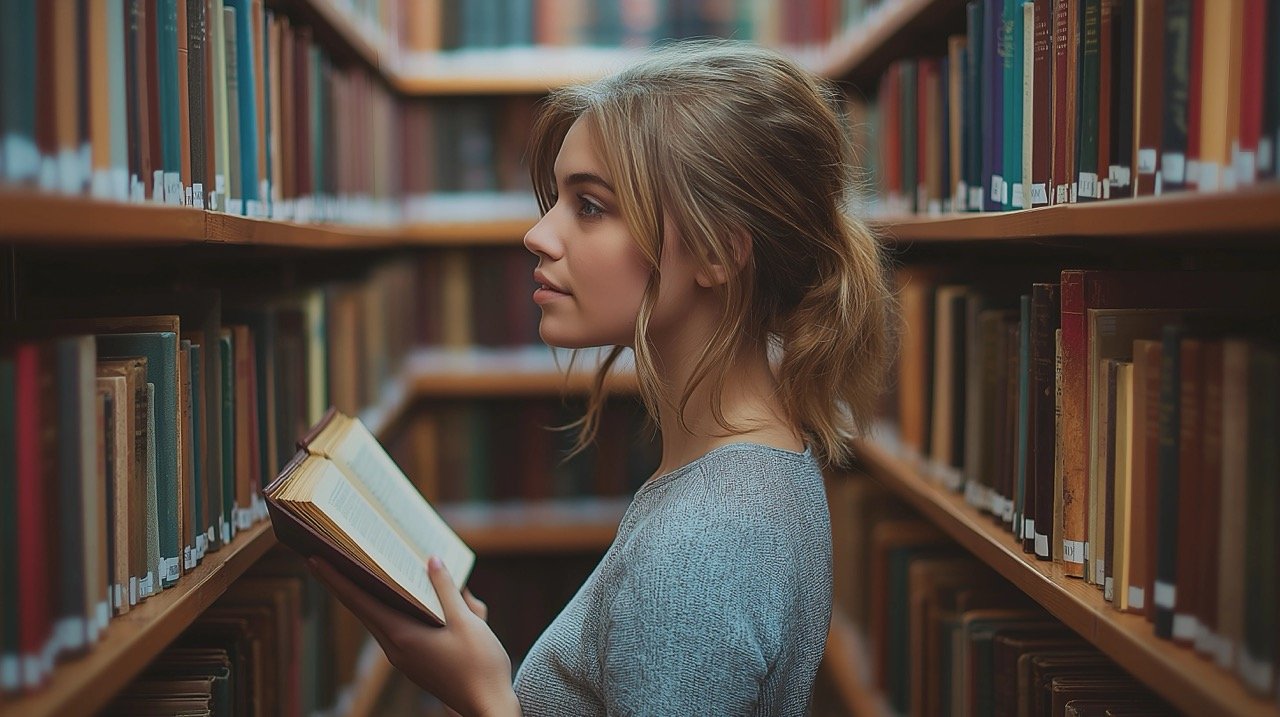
{"type": "Point", "coordinates": [726, 140]}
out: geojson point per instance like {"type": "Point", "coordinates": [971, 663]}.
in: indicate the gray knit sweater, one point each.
{"type": "Point", "coordinates": [714, 598]}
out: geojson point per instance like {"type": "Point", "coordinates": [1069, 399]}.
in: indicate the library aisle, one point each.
{"type": "Point", "coordinates": [219, 218]}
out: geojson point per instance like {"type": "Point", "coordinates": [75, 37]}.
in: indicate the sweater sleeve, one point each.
{"type": "Point", "coordinates": [696, 622]}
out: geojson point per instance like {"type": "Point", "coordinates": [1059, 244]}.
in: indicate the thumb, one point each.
{"type": "Point", "coordinates": [450, 597]}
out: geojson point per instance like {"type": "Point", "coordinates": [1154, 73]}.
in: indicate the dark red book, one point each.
{"type": "Point", "coordinates": [1252, 90]}
{"type": "Point", "coordinates": [1042, 105]}
{"type": "Point", "coordinates": [34, 596]}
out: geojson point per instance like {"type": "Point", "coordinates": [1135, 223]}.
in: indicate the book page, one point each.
{"type": "Point", "coordinates": [385, 487]}
{"type": "Point", "coordinates": [354, 515]}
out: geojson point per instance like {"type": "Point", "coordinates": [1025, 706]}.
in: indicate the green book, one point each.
{"type": "Point", "coordinates": [226, 354]}
{"type": "Point", "coordinates": [1087, 185]}
{"type": "Point", "coordinates": [198, 444]}
{"type": "Point", "coordinates": [216, 57]}
{"type": "Point", "coordinates": [910, 133]}
{"type": "Point", "coordinates": [196, 529]}
{"type": "Point", "coordinates": [170, 159]}
{"type": "Point", "coordinates": [1011, 46]}
{"type": "Point", "coordinates": [161, 351]}
{"type": "Point", "coordinates": [19, 158]}
{"type": "Point", "coordinates": [235, 178]}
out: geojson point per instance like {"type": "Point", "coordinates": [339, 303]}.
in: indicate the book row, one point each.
{"type": "Point", "coordinates": [137, 442]}
{"type": "Point", "coordinates": [1119, 423]}
{"type": "Point", "coordinates": [425, 26]}
{"type": "Point", "coordinates": [521, 450]}
{"type": "Point", "coordinates": [275, 643]}
{"type": "Point", "coordinates": [947, 635]}
{"type": "Point", "coordinates": [1046, 102]}
{"type": "Point", "coordinates": [233, 107]}
{"type": "Point", "coordinates": [479, 297]}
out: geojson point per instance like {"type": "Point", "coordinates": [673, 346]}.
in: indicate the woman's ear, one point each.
{"type": "Point", "coordinates": [716, 273]}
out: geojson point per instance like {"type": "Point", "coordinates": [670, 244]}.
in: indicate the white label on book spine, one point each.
{"type": "Point", "coordinates": [1193, 172]}
{"type": "Point", "coordinates": [974, 494]}
{"type": "Point", "coordinates": [197, 195]}
{"type": "Point", "coordinates": [1042, 545]}
{"type": "Point", "coordinates": [32, 671]}
{"type": "Point", "coordinates": [1028, 528]}
{"type": "Point", "coordinates": [137, 192]}
{"type": "Point", "coordinates": [235, 206]}
{"type": "Point", "coordinates": [117, 597]}
{"type": "Point", "coordinates": [133, 590]}
{"type": "Point", "coordinates": [1166, 595]}
{"type": "Point", "coordinates": [1147, 161]}
{"type": "Point", "coordinates": [1099, 570]}
{"type": "Point", "coordinates": [10, 672]}
{"type": "Point", "coordinates": [119, 184]}
{"type": "Point", "coordinates": [21, 158]}
{"type": "Point", "coordinates": [47, 177]}
{"type": "Point", "coordinates": [252, 208]}
{"type": "Point", "coordinates": [100, 184]}
{"type": "Point", "coordinates": [997, 188]}
{"type": "Point", "coordinates": [147, 585]}
{"type": "Point", "coordinates": [157, 186]}
{"type": "Point", "coordinates": [1039, 194]}
{"type": "Point", "coordinates": [1018, 201]}
{"type": "Point", "coordinates": [69, 634]}
{"type": "Point", "coordinates": [1108, 590]}
{"type": "Point", "coordinates": [172, 569]}
{"type": "Point", "coordinates": [1075, 192]}
{"type": "Point", "coordinates": [1137, 597]}
{"type": "Point", "coordinates": [1210, 177]}
{"type": "Point", "coordinates": [1247, 168]}
{"type": "Point", "coordinates": [962, 196]}
{"type": "Point", "coordinates": [1184, 627]}
{"type": "Point", "coordinates": [1088, 183]}
{"type": "Point", "coordinates": [104, 615]}
{"type": "Point", "coordinates": [1073, 551]}
{"type": "Point", "coordinates": [188, 558]}
{"type": "Point", "coordinates": [1225, 652]}
{"type": "Point", "coordinates": [975, 198]}
{"type": "Point", "coordinates": [1266, 154]}
{"type": "Point", "coordinates": [1119, 175]}
{"type": "Point", "coordinates": [1007, 512]}
{"type": "Point", "coordinates": [202, 544]}
{"type": "Point", "coordinates": [69, 177]}
{"type": "Point", "coordinates": [1173, 167]}
{"type": "Point", "coordinates": [1060, 194]}
{"type": "Point", "coordinates": [173, 192]}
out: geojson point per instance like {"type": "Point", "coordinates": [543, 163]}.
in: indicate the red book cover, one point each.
{"type": "Point", "coordinates": [1251, 90]}
{"type": "Point", "coordinates": [1149, 94]}
{"type": "Point", "coordinates": [890, 154]}
{"type": "Point", "coordinates": [1210, 500]}
{"type": "Point", "coordinates": [1063, 107]}
{"type": "Point", "coordinates": [1042, 105]}
{"type": "Point", "coordinates": [1195, 78]}
{"type": "Point", "coordinates": [33, 560]}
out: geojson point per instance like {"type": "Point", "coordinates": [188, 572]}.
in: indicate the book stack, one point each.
{"type": "Point", "coordinates": [479, 297]}
{"type": "Point", "coordinates": [138, 429]}
{"type": "Point", "coordinates": [1119, 423]}
{"type": "Point", "coordinates": [947, 635]}
{"type": "Point", "coordinates": [276, 643]}
{"type": "Point", "coordinates": [1045, 102]}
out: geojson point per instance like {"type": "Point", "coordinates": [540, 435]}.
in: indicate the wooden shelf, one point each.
{"type": "Point", "coordinates": [1192, 684]}
{"type": "Point", "coordinates": [845, 665]}
{"type": "Point", "coordinates": [557, 526]}
{"type": "Point", "coordinates": [862, 53]}
{"type": "Point", "coordinates": [37, 218]}
{"type": "Point", "coordinates": [500, 232]}
{"type": "Point", "coordinates": [517, 372]}
{"type": "Point", "coordinates": [83, 685]}
{"type": "Point", "coordinates": [1251, 213]}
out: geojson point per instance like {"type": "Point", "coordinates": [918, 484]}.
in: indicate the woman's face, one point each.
{"type": "Point", "coordinates": [591, 275]}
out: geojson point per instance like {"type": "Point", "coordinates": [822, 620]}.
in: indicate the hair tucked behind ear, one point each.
{"type": "Point", "coordinates": [725, 142]}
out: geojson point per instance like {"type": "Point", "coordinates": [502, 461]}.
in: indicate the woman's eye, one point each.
{"type": "Point", "coordinates": [588, 208]}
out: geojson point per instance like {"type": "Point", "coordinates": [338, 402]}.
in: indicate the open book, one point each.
{"type": "Point", "coordinates": [343, 499]}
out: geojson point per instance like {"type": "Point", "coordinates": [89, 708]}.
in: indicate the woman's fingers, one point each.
{"type": "Point", "coordinates": [450, 598]}
{"type": "Point", "coordinates": [380, 619]}
{"type": "Point", "coordinates": [477, 605]}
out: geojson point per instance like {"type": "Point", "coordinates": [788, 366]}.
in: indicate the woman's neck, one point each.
{"type": "Point", "coordinates": [748, 401]}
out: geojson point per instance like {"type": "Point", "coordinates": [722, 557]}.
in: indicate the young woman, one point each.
{"type": "Point", "coordinates": [694, 212]}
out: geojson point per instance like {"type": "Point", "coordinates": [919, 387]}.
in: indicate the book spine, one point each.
{"type": "Point", "coordinates": [1024, 466]}
{"type": "Point", "coordinates": [1044, 324]}
{"type": "Point", "coordinates": [994, 52]}
{"type": "Point", "coordinates": [977, 109]}
{"type": "Point", "coordinates": [1188, 546]}
{"type": "Point", "coordinates": [1177, 54]}
{"type": "Point", "coordinates": [1269, 141]}
{"type": "Point", "coordinates": [1208, 638]}
{"type": "Point", "coordinates": [197, 115]}
{"type": "Point", "coordinates": [20, 68]}
{"type": "Point", "coordinates": [34, 601]}
{"type": "Point", "coordinates": [1258, 656]}
{"type": "Point", "coordinates": [1073, 455]}
{"type": "Point", "coordinates": [1011, 112]}
{"type": "Point", "coordinates": [1042, 115]}
{"type": "Point", "coordinates": [1251, 91]}
{"type": "Point", "coordinates": [1087, 101]}
{"type": "Point", "coordinates": [1060, 170]}
{"type": "Point", "coordinates": [1169, 422]}
{"type": "Point", "coordinates": [1106, 62]}
{"type": "Point", "coordinates": [1195, 93]}
{"type": "Point", "coordinates": [1149, 59]}
{"type": "Point", "coordinates": [1120, 171]}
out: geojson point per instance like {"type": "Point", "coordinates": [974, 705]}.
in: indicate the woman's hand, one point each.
{"type": "Point", "coordinates": [461, 663]}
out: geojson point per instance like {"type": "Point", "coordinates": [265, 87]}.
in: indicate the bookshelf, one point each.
{"type": "Point", "coordinates": [845, 665]}
{"type": "Point", "coordinates": [132, 640]}
{"type": "Point", "coordinates": [1185, 679]}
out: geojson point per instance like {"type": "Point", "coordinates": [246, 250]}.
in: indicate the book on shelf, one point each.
{"type": "Point", "coordinates": [343, 499]}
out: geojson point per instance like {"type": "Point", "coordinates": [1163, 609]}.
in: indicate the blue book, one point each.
{"type": "Point", "coordinates": [160, 348]}
{"type": "Point", "coordinates": [246, 101]}
{"type": "Point", "coordinates": [975, 108]}
{"type": "Point", "coordinates": [170, 159]}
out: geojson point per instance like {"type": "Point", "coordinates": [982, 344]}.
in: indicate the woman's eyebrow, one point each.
{"type": "Point", "coordinates": [587, 178]}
